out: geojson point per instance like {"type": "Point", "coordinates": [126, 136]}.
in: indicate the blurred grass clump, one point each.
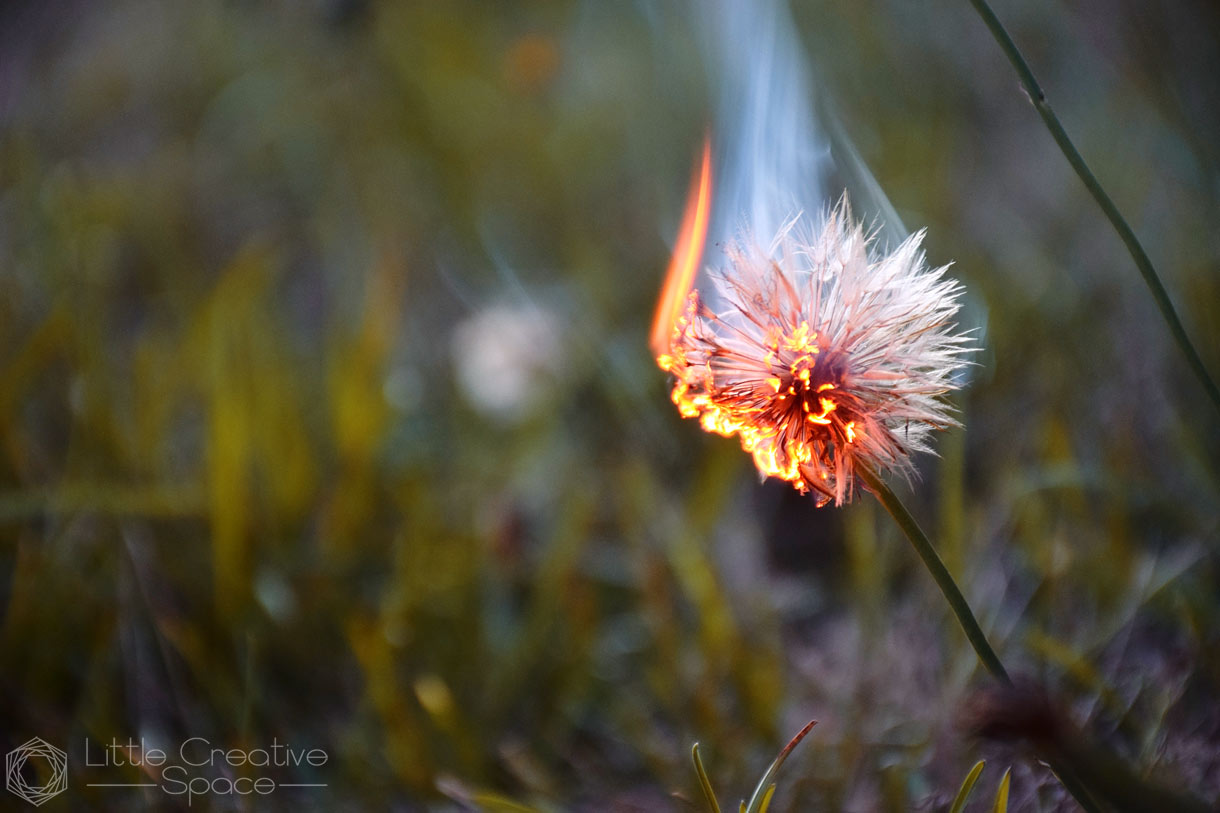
{"type": "Point", "coordinates": [326, 412]}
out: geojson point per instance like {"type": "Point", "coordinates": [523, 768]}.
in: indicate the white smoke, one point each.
{"type": "Point", "coordinates": [779, 148]}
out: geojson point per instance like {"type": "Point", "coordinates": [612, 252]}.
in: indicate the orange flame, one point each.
{"type": "Point", "coordinates": [680, 277]}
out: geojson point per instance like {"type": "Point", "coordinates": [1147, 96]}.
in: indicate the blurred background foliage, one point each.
{"type": "Point", "coordinates": [326, 411]}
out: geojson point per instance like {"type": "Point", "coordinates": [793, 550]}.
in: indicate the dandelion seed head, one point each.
{"type": "Point", "coordinates": [820, 353]}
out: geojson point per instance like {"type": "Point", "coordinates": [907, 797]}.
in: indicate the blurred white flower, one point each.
{"type": "Point", "coordinates": [507, 357]}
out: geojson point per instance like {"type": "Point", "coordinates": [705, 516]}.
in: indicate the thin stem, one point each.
{"type": "Point", "coordinates": [1142, 262]}
{"type": "Point", "coordinates": [961, 608]}
{"type": "Point", "coordinates": [1073, 786]}
{"type": "Point", "coordinates": [940, 573]}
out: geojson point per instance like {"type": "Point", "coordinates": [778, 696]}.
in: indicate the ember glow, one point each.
{"type": "Point", "coordinates": [815, 353]}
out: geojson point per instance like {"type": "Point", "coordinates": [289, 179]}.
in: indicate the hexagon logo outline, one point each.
{"type": "Point", "coordinates": [14, 765]}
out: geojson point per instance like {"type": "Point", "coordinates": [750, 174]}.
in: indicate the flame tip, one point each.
{"type": "Point", "coordinates": [688, 251]}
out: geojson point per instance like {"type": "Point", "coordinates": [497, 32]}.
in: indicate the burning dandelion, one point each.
{"type": "Point", "coordinates": [821, 354]}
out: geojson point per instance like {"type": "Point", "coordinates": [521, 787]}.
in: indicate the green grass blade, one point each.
{"type": "Point", "coordinates": [495, 803]}
{"type": "Point", "coordinates": [708, 793]}
{"type": "Point", "coordinates": [963, 793]}
{"type": "Point", "coordinates": [766, 799]}
{"type": "Point", "coordinates": [765, 787]}
{"type": "Point", "coordinates": [1001, 796]}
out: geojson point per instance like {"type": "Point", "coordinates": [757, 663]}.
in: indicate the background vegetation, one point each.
{"type": "Point", "coordinates": [326, 410]}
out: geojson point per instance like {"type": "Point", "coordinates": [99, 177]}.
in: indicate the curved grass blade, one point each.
{"type": "Point", "coordinates": [766, 786]}
{"type": "Point", "coordinates": [766, 799]}
{"type": "Point", "coordinates": [495, 803]}
{"type": "Point", "coordinates": [1001, 795]}
{"type": "Point", "coordinates": [708, 793]}
{"type": "Point", "coordinates": [963, 793]}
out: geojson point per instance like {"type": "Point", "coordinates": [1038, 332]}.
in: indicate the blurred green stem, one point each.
{"type": "Point", "coordinates": [961, 609]}
{"type": "Point", "coordinates": [1142, 262]}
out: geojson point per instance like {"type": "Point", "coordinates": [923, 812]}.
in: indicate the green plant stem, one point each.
{"type": "Point", "coordinates": [1142, 262]}
{"type": "Point", "coordinates": [940, 573]}
{"type": "Point", "coordinates": [961, 608]}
